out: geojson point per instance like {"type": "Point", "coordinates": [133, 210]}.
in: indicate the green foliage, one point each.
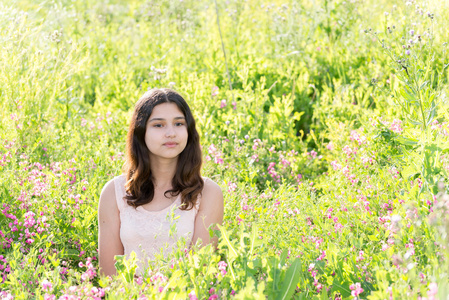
{"type": "Point", "coordinates": [331, 148]}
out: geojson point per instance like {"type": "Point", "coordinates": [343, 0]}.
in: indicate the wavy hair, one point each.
{"type": "Point", "coordinates": [187, 180]}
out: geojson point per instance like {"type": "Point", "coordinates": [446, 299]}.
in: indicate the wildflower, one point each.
{"type": "Point", "coordinates": [223, 103]}
{"type": "Point", "coordinates": [433, 290]}
{"type": "Point", "coordinates": [192, 296]}
{"type": "Point", "coordinates": [47, 285]}
{"type": "Point", "coordinates": [435, 125]}
{"type": "Point", "coordinates": [222, 267]}
{"type": "Point", "coordinates": [356, 289]}
{"type": "Point", "coordinates": [232, 187]}
{"type": "Point", "coordinates": [355, 136]}
{"type": "Point", "coordinates": [215, 91]}
{"type": "Point", "coordinates": [407, 52]}
{"type": "Point", "coordinates": [335, 165]}
{"type": "Point", "coordinates": [322, 256]}
{"type": "Point", "coordinates": [348, 151]}
{"type": "Point", "coordinates": [395, 218]}
{"type": "Point", "coordinates": [29, 219]}
{"type": "Point", "coordinates": [311, 266]}
{"type": "Point", "coordinates": [396, 125]}
{"type": "Point", "coordinates": [360, 257]}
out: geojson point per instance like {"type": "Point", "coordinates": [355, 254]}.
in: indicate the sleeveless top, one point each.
{"type": "Point", "coordinates": [148, 232]}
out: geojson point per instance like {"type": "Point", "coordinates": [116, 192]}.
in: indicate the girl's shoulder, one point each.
{"type": "Point", "coordinates": [210, 184]}
{"type": "Point", "coordinates": [212, 193]}
{"type": "Point", "coordinates": [113, 188]}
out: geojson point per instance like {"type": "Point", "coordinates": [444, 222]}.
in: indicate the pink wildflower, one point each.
{"type": "Point", "coordinates": [396, 126]}
{"type": "Point", "coordinates": [223, 103]}
{"type": "Point", "coordinates": [335, 165]}
{"type": "Point", "coordinates": [355, 136]}
{"type": "Point", "coordinates": [232, 187]}
{"type": "Point", "coordinates": [222, 267]}
{"type": "Point", "coordinates": [29, 219]}
{"type": "Point", "coordinates": [214, 91]}
{"type": "Point", "coordinates": [192, 296]}
{"type": "Point", "coordinates": [47, 285]}
{"type": "Point", "coordinates": [356, 289]}
{"type": "Point", "coordinates": [433, 291]}
{"type": "Point", "coordinates": [348, 151]}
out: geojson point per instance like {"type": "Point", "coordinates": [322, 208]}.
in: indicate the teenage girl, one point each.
{"type": "Point", "coordinates": [161, 178]}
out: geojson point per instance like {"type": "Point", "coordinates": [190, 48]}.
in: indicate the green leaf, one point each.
{"type": "Point", "coordinates": [173, 278]}
{"type": "Point", "coordinates": [406, 141]}
{"type": "Point", "coordinates": [291, 280]}
{"type": "Point", "coordinates": [232, 251]}
{"type": "Point", "coordinates": [410, 171]}
{"type": "Point", "coordinates": [373, 238]}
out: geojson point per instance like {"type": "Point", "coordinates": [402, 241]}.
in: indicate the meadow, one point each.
{"type": "Point", "coordinates": [325, 122]}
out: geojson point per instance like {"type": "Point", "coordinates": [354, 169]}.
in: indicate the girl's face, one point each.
{"type": "Point", "coordinates": [166, 133]}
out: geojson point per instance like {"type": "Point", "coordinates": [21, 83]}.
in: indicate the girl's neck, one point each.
{"type": "Point", "coordinates": [163, 172]}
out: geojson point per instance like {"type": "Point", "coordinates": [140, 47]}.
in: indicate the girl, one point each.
{"type": "Point", "coordinates": [161, 175]}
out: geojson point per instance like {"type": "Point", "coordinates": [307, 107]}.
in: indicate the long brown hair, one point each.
{"type": "Point", "coordinates": [139, 180]}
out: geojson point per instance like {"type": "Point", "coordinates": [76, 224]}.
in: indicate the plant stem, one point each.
{"type": "Point", "coordinates": [223, 48]}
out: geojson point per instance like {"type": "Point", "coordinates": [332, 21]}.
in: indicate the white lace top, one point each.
{"type": "Point", "coordinates": [148, 232]}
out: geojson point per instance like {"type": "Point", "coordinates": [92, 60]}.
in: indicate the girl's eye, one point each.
{"type": "Point", "coordinates": [179, 124]}
{"type": "Point", "coordinates": [157, 125]}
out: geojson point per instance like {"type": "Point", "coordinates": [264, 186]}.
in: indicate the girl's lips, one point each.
{"type": "Point", "coordinates": [170, 145]}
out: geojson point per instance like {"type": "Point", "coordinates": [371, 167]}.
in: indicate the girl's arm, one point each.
{"type": "Point", "coordinates": [109, 243]}
{"type": "Point", "coordinates": [210, 212]}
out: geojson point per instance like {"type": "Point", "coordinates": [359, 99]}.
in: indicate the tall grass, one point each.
{"type": "Point", "coordinates": [331, 149]}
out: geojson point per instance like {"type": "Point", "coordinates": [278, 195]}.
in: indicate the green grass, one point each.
{"type": "Point", "coordinates": [321, 190]}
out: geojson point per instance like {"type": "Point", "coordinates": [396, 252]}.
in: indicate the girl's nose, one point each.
{"type": "Point", "coordinates": [170, 132]}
